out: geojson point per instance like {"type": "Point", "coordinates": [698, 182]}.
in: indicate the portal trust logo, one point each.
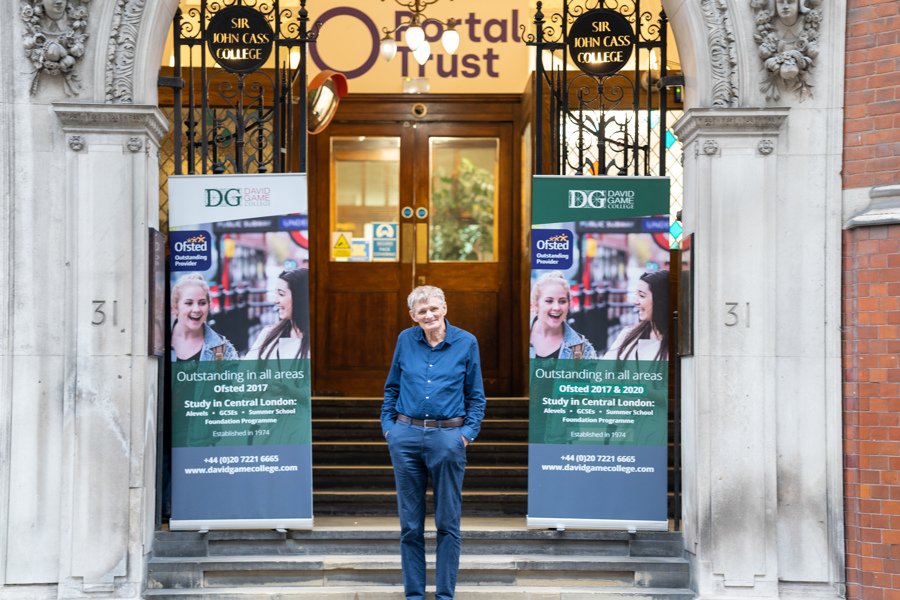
{"type": "Point", "coordinates": [551, 249]}
{"type": "Point", "coordinates": [190, 250]}
{"type": "Point", "coordinates": [609, 199]}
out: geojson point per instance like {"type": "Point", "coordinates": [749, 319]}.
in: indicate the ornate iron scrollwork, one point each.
{"type": "Point", "coordinates": [601, 124]}
{"type": "Point", "coordinates": [241, 122]}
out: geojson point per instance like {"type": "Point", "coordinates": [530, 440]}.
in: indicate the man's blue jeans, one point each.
{"type": "Point", "coordinates": [417, 453]}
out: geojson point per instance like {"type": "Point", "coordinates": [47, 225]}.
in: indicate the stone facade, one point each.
{"type": "Point", "coordinates": [763, 512]}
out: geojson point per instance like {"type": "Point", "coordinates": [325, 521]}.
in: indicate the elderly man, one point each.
{"type": "Point", "coordinates": [433, 405]}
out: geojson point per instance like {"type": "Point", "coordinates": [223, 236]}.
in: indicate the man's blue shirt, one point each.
{"type": "Point", "coordinates": [435, 383]}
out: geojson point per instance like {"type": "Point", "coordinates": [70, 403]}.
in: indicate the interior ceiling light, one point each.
{"type": "Point", "coordinates": [414, 35]}
{"type": "Point", "coordinates": [422, 52]}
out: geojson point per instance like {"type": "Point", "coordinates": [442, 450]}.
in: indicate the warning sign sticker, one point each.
{"type": "Point", "coordinates": [341, 246]}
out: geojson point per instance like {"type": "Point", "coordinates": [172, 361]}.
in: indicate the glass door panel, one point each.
{"type": "Point", "coordinates": [365, 198]}
{"type": "Point", "coordinates": [463, 199]}
{"type": "Point", "coordinates": [463, 235]}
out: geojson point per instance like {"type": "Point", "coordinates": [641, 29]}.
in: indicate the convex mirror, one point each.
{"type": "Point", "coordinates": [323, 94]}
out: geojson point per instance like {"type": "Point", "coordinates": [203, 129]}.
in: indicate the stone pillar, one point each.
{"type": "Point", "coordinates": [761, 427]}
{"type": "Point", "coordinates": [108, 429]}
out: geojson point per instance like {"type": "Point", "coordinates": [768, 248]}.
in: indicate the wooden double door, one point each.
{"type": "Point", "coordinates": [409, 192]}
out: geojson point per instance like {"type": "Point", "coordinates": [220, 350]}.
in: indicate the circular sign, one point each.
{"type": "Point", "coordinates": [421, 212]}
{"type": "Point", "coordinates": [239, 38]}
{"type": "Point", "coordinates": [407, 212]}
{"type": "Point", "coordinates": [601, 41]}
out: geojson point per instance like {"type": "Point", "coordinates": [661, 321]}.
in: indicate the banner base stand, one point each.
{"type": "Point", "coordinates": [209, 524]}
{"type": "Point", "coordinates": [568, 523]}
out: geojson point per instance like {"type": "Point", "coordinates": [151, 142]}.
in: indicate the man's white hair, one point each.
{"type": "Point", "coordinates": [424, 292]}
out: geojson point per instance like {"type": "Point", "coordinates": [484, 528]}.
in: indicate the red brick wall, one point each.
{"type": "Point", "coordinates": [872, 94]}
{"type": "Point", "coordinates": [871, 312]}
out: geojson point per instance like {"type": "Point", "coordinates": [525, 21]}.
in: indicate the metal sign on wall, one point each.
{"type": "Point", "coordinates": [601, 41]}
{"type": "Point", "coordinates": [239, 39]}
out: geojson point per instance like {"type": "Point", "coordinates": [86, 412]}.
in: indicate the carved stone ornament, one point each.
{"type": "Point", "coordinates": [760, 123]}
{"type": "Point", "coordinates": [711, 147]}
{"type": "Point", "coordinates": [766, 147]}
{"type": "Point", "coordinates": [723, 53]}
{"type": "Point", "coordinates": [55, 40]}
{"type": "Point", "coordinates": [135, 144]}
{"type": "Point", "coordinates": [107, 118]}
{"type": "Point", "coordinates": [787, 38]}
{"type": "Point", "coordinates": [76, 143]}
{"type": "Point", "coordinates": [120, 51]}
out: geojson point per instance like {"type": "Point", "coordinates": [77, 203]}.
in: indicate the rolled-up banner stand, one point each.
{"type": "Point", "coordinates": [599, 342]}
{"type": "Point", "coordinates": [241, 441]}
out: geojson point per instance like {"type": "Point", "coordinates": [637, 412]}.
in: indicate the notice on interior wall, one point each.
{"type": "Point", "coordinates": [599, 352]}
{"type": "Point", "coordinates": [240, 353]}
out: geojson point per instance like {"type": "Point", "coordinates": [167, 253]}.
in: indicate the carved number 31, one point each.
{"type": "Point", "coordinates": [734, 315]}
{"type": "Point", "coordinates": [99, 316]}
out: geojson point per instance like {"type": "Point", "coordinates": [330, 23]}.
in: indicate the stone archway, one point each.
{"type": "Point", "coordinates": [762, 404]}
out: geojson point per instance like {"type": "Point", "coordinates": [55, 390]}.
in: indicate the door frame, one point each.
{"type": "Point", "coordinates": [409, 110]}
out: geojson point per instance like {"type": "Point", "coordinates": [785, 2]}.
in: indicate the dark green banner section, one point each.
{"type": "Point", "coordinates": [240, 403]}
{"type": "Point", "coordinates": [559, 199]}
{"type": "Point", "coordinates": [599, 402]}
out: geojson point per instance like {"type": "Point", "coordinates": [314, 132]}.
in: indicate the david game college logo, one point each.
{"type": "Point", "coordinates": [611, 199]}
{"type": "Point", "coordinates": [551, 249]}
{"type": "Point", "coordinates": [234, 197]}
{"type": "Point", "coordinates": [229, 197]}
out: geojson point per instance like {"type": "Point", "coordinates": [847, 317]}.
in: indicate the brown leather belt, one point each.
{"type": "Point", "coordinates": [454, 422]}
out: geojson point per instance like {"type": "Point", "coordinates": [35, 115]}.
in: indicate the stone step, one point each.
{"type": "Point", "coordinates": [374, 477]}
{"type": "Point", "coordinates": [512, 454]}
{"type": "Point", "coordinates": [376, 570]}
{"type": "Point", "coordinates": [463, 592]}
{"type": "Point", "coordinates": [325, 407]}
{"type": "Point", "coordinates": [492, 430]}
{"type": "Point", "coordinates": [384, 502]}
{"type": "Point", "coordinates": [364, 452]}
{"type": "Point", "coordinates": [381, 536]}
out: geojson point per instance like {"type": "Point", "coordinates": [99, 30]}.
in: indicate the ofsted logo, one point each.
{"type": "Point", "coordinates": [196, 243]}
{"type": "Point", "coordinates": [556, 242]}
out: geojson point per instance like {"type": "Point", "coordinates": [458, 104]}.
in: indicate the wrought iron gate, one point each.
{"type": "Point", "coordinates": [228, 122]}
{"type": "Point", "coordinates": [602, 125]}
